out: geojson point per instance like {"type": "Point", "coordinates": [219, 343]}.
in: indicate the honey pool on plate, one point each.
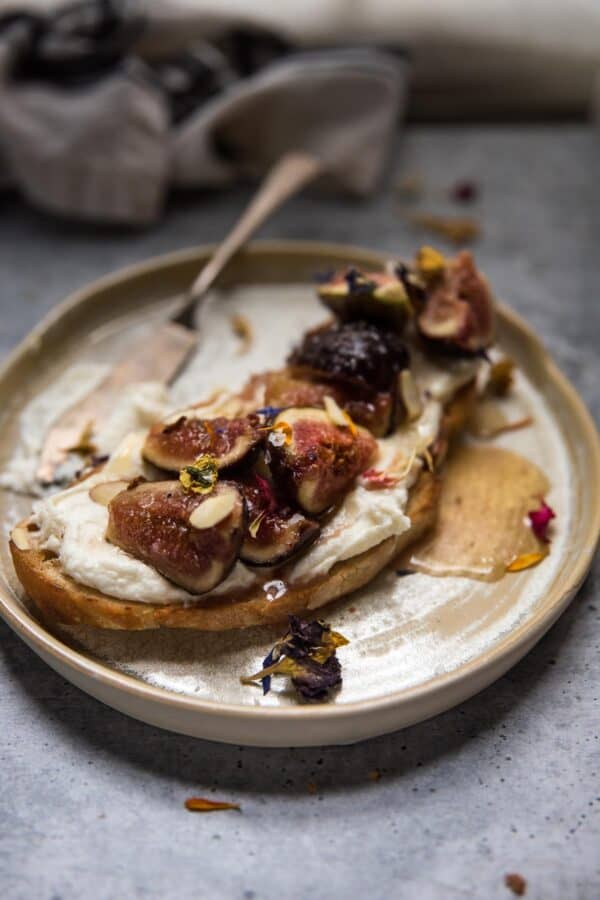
{"type": "Point", "coordinates": [482, 525]}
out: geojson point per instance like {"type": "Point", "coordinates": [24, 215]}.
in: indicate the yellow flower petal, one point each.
{"type": "Point", "coordinates": [525, 561]}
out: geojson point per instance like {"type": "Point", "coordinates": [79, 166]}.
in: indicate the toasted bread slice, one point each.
{"type": "Point", "coordinates": [60, 599]}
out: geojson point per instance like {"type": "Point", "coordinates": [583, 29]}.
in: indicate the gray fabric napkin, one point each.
{"type": "Point", "coordinates": [108, 150]}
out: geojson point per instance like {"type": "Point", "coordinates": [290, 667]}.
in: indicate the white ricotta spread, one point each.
{"type": "Point", "coordinates": [139, 406]}
{"type": "Point", "coordinates": [38, 416]}
{"type": "Point", "coordinates": [365, 519]}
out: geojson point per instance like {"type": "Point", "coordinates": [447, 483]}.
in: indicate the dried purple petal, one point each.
{"type": "Point", "coordinates": [307, 633]}
{"type": "Point", "coordinates": [318, 679]}
{"type": "Point", "coordinates": [307, 655]}
{"type": "Point", "coordinates": [268, 412]}
{"type": "Point", "coordinates": [268, 661]}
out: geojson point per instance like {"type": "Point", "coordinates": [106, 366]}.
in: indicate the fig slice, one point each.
{"type": "Point", "coordinates": [154, 523]}
{"type": "Point", "coordinates": [353, 353]}
{"type": "Point", "coordinates": [372, 296]}
{"type": "Point", "coordinates": [317, 461]}
{"type": "Point", "coordinates": [275, 531]}
{"type": "Point", "coordinates": [373, 409]}
{"type": "Point", "coordinates": [458, 310]}
{"type": "Point", "coordinates": [179, 443]}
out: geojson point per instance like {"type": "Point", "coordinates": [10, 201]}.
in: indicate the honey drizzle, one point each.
{"type": "Point", "coordinates": [482, 519]}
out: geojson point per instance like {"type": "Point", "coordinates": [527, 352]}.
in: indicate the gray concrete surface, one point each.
{"type": "Point", "coordinates": [91, 801]}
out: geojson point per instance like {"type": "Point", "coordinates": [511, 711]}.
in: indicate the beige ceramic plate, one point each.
{"type": "Point", "coordinates": [418, 645]}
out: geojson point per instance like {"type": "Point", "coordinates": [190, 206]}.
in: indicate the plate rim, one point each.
{"type": "Point", "coordinates": [496, 661]}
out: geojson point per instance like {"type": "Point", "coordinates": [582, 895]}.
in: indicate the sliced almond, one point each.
{"type": "Point", "coordinates": [213, 510]}
{"type": "Point", "coordinates": [411, 397]}
{"type": "Point", "coordinates": [337, 415]}
{"type": "Point", "coordinates": [20, 538]}
{"type": "Point", "coordinates": [106, 491]}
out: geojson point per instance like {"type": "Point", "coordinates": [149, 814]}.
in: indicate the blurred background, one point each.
{"type": "Point", "coordinates": [106, 106]}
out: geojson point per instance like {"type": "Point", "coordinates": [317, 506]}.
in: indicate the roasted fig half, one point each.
{"type": "Point", "coordinates": [191, 539]}
{"type": "Point", "coordinates": [371, 296]}
{"type": "Point", "coordinates": [179, 443]}
{"type": "Point", "coordinates": [354, 353]}
{"type": "Point", "coordinates": [373, 409]}
{"type": "Point", "coordinates": [314, 459]}
{"type": "Point", "coordinates": [458, 310]}
{"type": "Point", "coordinates": [374, 412]}
{"type": "Point", "coordinates": [275, 532]}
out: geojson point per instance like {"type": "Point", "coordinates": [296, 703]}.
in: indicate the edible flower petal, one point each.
{"type": "Point", "coordinates": [200, 804]}
{"type": "Point", "coordinates": [525, 561]}
{"type": "Point", "coordinates": [281, 434]}
{"type": "Point", "coordinates": [376, 480]}
{"type": "Point", "coordinates": [540, 520]}
{"type": "Point", "coordinates": [201, 476]}
{"type": "Point", "coordinates": [516, 883]}
{"type": "Point", "coordinates": [268, 412]}
{"type": "Point", "coordinates": [315, 680]}
{"type": "Point", "coordinates": [255, 524]}
{"type": "Point", "coordinates": [430, 262]}
{"type": "Point", "coordinates": [307, 655]}
{"type": "Point", "coordinates": [267, 495]}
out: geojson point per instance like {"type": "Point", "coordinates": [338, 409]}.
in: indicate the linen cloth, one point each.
{"type": "Point", "coordinates": [107, 147]}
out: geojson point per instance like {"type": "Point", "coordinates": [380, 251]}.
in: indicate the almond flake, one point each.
{"type": "Point", "coordinates": [106, 491]}
{"type": "Point", "coordinates": [337, 415]}
{"type": "Point", "coordinates": [411, 397]}
{"type": "Point", "coordinates": [213, 510]}
{"type": "Point", "coordinates": [20, 538]}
